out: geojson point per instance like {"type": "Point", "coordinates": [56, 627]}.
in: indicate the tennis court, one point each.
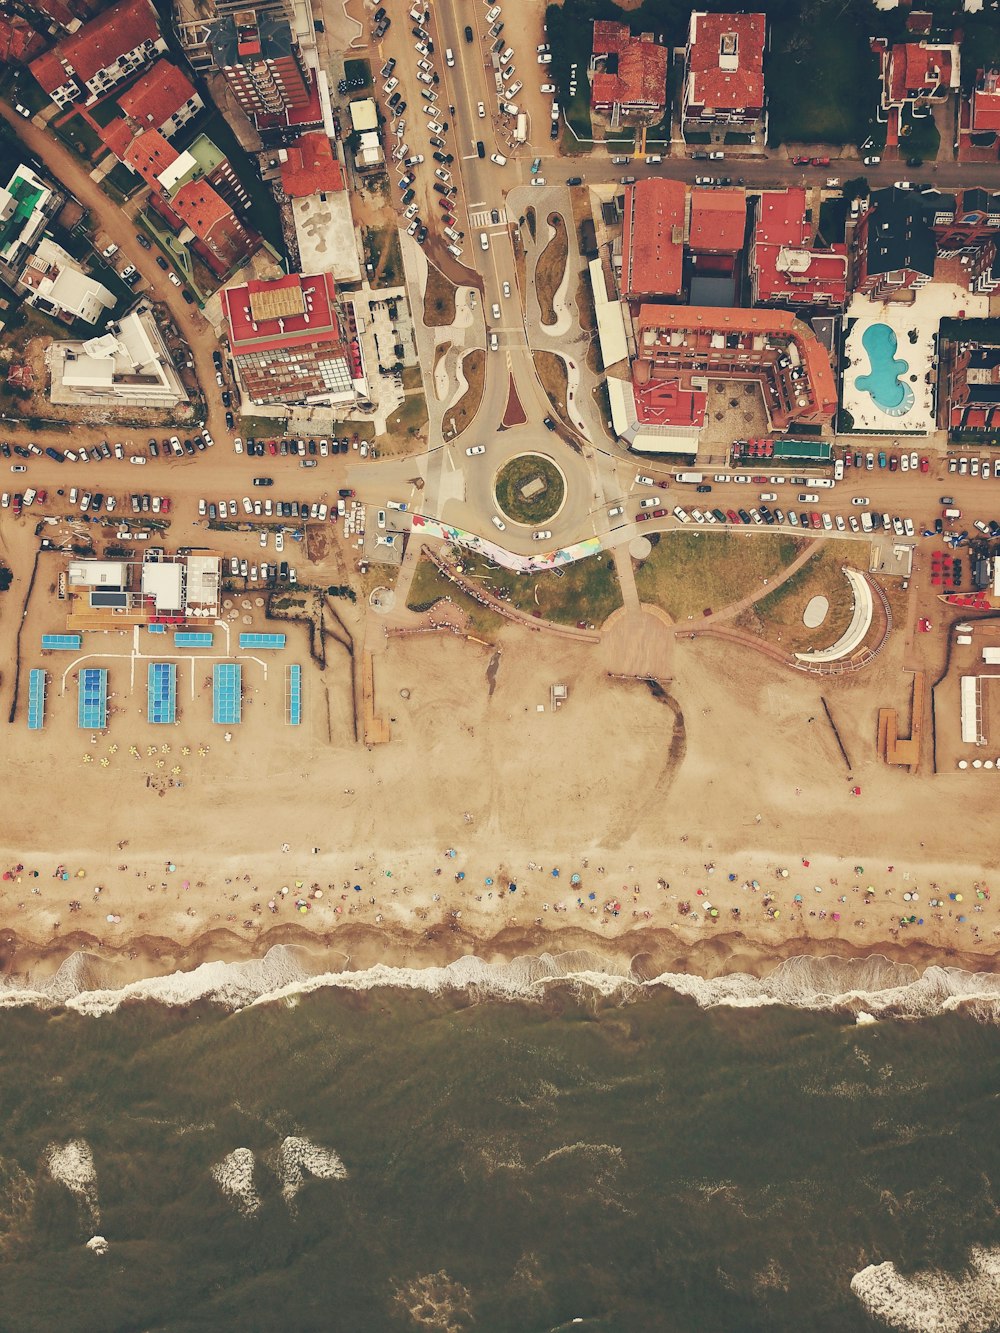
{"type": "Point", "coordinates": [227, 678]}
{"type": "Point", "coordinates": [161, 687]}
{"type": "Point", "coordinates": [193, 639]}
{"type": "Point", "coordinates": [36, 699]}
{"type": "Point", "coordinates": [92, 708]}
{"type": "Point", "coordinates": [293, 695]}
{"type": "Point", "coordinates": [62, 643]}
{"type": "Point", "coordinates": [262, 640]}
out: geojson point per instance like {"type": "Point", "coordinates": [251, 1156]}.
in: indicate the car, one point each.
{"type": "Point", "coordinates": [156, 504]}
{"type": "Point", "coordinates": [138, 460]}
{"type": "Point", "coordinates": [538, 180]}
{"type": "Point", "coordinates": [498, 522]}
{"type": "Point", "coordinates": [841, 525]}
{"type": "Point", "coordinates": [501, 161]}
{"type": "Point", "coordinates": [542, 535]}
{"type": "Point", "coordinates": [237, 444]}
{"type": "Point", "coordinates": [263, 539]}
{"type": "Point", "coordinates": [548, 423]}
{"type": "Point", "coordinates": [643, 517]}
{"type": "Point", "coordinates": [174, 279]}
{"type": "Point", "coordinates": [869, 461]}
{"type": "Point", "coordinates": [506, 290]}
{"type": "Point", "coordinates": [468, 33]}
{"type": "Point", "coordinates": [481, 109]}
{"type": "Point", "coordinates": [649, 502]}
{"type": "Point", "coordinates": [904, 463]}
{"type": "Point", "coordinates": [861, 501]}
{"type": "Point", "coordinates": [263, 481]}
{"type": "Point", "coordinates": [495, 310]}
{"type": "Point", "coordinates": [616, 511]}
{"type": "Point", "coordinates": [308, 462]}
{"type": "Point", "coordinates": [18, 467]}
{"type": "Point", "coordinates": [925, 465]}
{"type": "Point", "coordinates": [475, 449]}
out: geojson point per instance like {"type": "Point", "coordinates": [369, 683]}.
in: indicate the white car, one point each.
{"type": "Point", "coordinates": [499, 159]}
{"type": "Point", "coordinates": [904, 463]}
{"type": "Point", "coordinates": [139, 462]}
{"type": "Point", "coordinates": [233, 510]}
{"type": "Point", "coordinates": [156, 504]}
{"type": "Point", "coordinates": [238, 444]}
{"type": "Point", "coordinates": [263, 539]}
{"type": "Point", "coordinates": [119, 451]}
{"type": "Point", "coordinates": [475, 449]}
{"type": "Point", "coordinates": [174, 279]}
{"type": "Point", "coordinates": [542, 535]}
{"type": "Point", "coordinates": [498, 523]}
{"type": "Point", "coordinates": [538, 180]}
{"type": "Point", "coordinates": [480, 107]}
{"type": "Point", "coordinates": [201, 508]}
{"type": "Point", "coordinates": [506, 291]}
{"type": "Point", "coordinates": [616, 511]}
{"type": "Point", "coordinates": [380, 518]}
{"type": "Point", "coordinates": [495, 310]}
{"type": "Point", "coordinates": [247, 505]}
{"type": "Point", "coordinates": [279, 541]}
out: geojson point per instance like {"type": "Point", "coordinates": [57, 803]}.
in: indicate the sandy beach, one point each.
{"type": "Point", "coordinates": [711, 830]}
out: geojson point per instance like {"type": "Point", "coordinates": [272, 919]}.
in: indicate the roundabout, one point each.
{"type": "Point", "coordinates": [529, 488]}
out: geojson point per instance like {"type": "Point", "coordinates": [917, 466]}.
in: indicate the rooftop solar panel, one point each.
{"type": "Point", "coordinates": [162, 692]}
{"type": "Point", "coordinates": [36, 699]}
{"type": "Point", "coordinates": [92, 708]}
{"type": "Point", "coordinates": [226, 693]}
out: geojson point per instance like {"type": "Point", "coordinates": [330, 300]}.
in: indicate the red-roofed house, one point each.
{"type": "Point", "coordinates": [784, 268]}
{"type": "Point", "coordinates": [163, 98]}
{"type": "Point", "coordinates": [724, 75]}
{"type": "Point", "coordinates": [628, 75]}
{"type": "Point", "coordinates": [979, 119]}
{"type": "Point", "coordinates": [19, 42]}
{"type": "Point", "coordinates": [917, 73]}
{"type": "Point", "coordinates": [289, 340]}
{"type": "Point", "coordinates": [718, 222]}
{"type": "Point", "coordinates": [310, 168]}
{"type": "Point", "coordinates": [82, 67]}
{"type": "Point", "coordinates": [653, 239]}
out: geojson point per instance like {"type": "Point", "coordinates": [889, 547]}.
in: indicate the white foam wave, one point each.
{"type": "Point", "coordinates": [98, 1244]}
{"type": "Point", "coordinates": [934, 1302]}
{"type": "Point", "coordinates": [296, 1159]}
{"type": "Point", "coordinates": [234, 1177]}
{"type": "Point", "coordinates": [871, 988]}
{"type": "Point", "coordinates": [72, 1164]}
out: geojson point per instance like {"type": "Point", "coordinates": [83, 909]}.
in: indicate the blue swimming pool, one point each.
{"type": "Point", "coordinates": [885, 380]}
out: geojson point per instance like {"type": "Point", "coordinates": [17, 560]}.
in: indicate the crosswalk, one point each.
{"type": "Point", "coordinates": [484, 219]}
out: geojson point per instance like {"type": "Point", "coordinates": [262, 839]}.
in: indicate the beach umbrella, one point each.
{"type": "Point", "coordinates": [555, 873]}
{"type": "Point", "coordinates": [574, 879]}
{"type": "Point", "coordinates": [798, 897]}
{"type": "Point", "coordinates": [357, 888]}
{"type": "Point", "coordinates": [591, 896]}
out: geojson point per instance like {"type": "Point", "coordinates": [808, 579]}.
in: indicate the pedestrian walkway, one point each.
{"type": "Point", "coordinates": [485, 219]}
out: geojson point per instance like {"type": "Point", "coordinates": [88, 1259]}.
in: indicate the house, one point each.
{"type": "Point", "coordinates": [628, 75]}
{"type": "Point", "coordinates": [716, 236]}
{"type": "Point", "coordinates": [680, 349]}
{"type": "Point", "coordinates": [189, 204]}
{"type": "Point", "coordinates": [291, 342]}
{"type": "Point", "coordinates": [313, 185]}
{"type": "Point", "coordinates": [653, 239]}
{"type": "Point", "coordinates": [162, 98]}
{"type": "Point", "coordinates": [979, 119]}
{"type": "Point", "coordinates": [971, 376]}
{"type": "Point", "coordinates": [784, 267]}
{"type": "Point", "coordinates": [129, 365]}
{"type": "Point", "coordinates": [724, 76]}
{"type": "Point", "coordinates": [27, 203]}
{"type": "Point", "coordinates": [19, 41]}
{"type": "Point", "coordinates": [917, 74]}
{"type": "Point", "coordinates": [56, 284]}
{"type": "Point", "coordinates": [101, 54]}
{"type": "Point", "coordinates": [966, 229]}
{"type": "Point", "coordinates": [894, 244]}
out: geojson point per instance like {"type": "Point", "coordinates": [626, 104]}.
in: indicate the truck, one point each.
{"type": "Point", "coordinates": [521, 129]}
{"type": "Point", "coordinates": [695, 478]}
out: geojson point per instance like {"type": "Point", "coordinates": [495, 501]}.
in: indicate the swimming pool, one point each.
{"type": "Point", "coordinates": [885, 381]}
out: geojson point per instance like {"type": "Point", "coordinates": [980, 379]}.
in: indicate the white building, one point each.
{"type": "Point", "coordinates": [128, 366]}
{"type": "Point", "coordinates": [26, 205]}
{"type": "Point", "coordinates": [55, 283]}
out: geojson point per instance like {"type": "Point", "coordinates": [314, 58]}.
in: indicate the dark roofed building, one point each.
{"type": "Point", "coordinates": [894, 242]}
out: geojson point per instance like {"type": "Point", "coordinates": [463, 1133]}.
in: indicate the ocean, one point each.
{"type": "Point", "coordinates": [539, 1146]}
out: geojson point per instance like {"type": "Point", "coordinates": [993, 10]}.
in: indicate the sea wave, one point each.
{"type": "Point", "coordinates": [871, 989]}
{"type": "Point", "coordinates": [928, 1300]}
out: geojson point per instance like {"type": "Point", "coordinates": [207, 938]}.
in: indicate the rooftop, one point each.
{"type": "Point", "coordinates": [98, 44]}
{"type": "Point", "coordinates": [783, 256]}
{"type": "Point", "coordinates": [149, 154]}
{"type": "Point", "coordinates": [986, 101]}
{"type": "Point", "coordinates": [920, 69]}
{"type": "Point", "coordinates": [157, 93]}
{"type": "Point", "coordinates": [653, 238]}
{"type": "Point", "coordinates": [718, 221]}
{"type": "Point", "coordinates": [897, 233]}
{"type": "Point", "coordinates": [641, 79]}
{"type": "Point", "coordinates": [725, 68]}
{"type": "Point", "coordinates": [311, 168]}
{"type": "Point", "coordinates": [268, 315]}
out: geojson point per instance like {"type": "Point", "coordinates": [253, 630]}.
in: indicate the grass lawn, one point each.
{"type": "Point", "coordinates": [383, 253]}
{"type": "Point", "coordinates": [403, 426]}
{"type": "Point", "coordinates": [262, 428]}
{"type": "Point", "coordinates": [474, 370]}
{"type": "Point", "coordinates": [439, 299]}
{"type": "Point", "coordinates": [689, 572]}
{"type": "Point", "coordinates": [552, 373]}
{"type": "Point", "coordinates": [412, 378]}
{"type": "Point", "coordinates": [822, 78]}
{"type": "Point", "coordinates": [358, 69]}
{"type": "Point", "coordinates": [551, 268]}
{"type": "Point", "coordinates": [778, 617]}
{"type": "Point", "coordinates": [923, 139]}
{"type": "Point", "coordinates": [521, 471]}
{"type": "Point", "coordinates": [77, 135]}
{"type": "Point", "coordinates": [429, 585]}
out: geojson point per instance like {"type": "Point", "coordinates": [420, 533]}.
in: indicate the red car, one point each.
{"type": "Point", "coordinates": [800, 161]}
{"type": "Point", "coordinates": [815, 519]}
{"type": "Point", "coordinates": [42, 496]}
{"type": "Point", "coordinates": [925, 465]}
{"type": "Point", "coordinates": [663, 485]}
{"type": "Point", "coordinates": [732, 515]}
{"type": "Point", "coordinates": [272, 446]}
{"type": "Point", "coordinates": [659, 513]}
{"type": "Point", "coordinates": [165, 504]}
{"type": "Point", "coordinates": [821, 161]}
{"type": "Point", "coordinates": [642, 515]}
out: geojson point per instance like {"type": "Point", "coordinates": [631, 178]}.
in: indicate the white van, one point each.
{"type": "Point", "coordinates": [449, 57]}
{"type": "Point", "coordinates": [866, 522]}
{"type": "Point", "coordinates": [455, 250]}
{"type": "Point", "coordinates": [808, 498]}
{"type": "Point", "coordinates": [825, 482]}
{"type": "Point", "coordinates": [484, 240]}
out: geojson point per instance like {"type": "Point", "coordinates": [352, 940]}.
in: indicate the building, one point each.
{"type": "Point", "coordinates": [20, 42]}
{"type": "Point", "coordinates": [717, 227]}
{"type": "Point", "coordinates": [170, 590]}
{"type": "Point", "coordinates": [894, 243]}
{"type": "Point", "coordinates": [724, 76]}
{"type": "Point", "coordinates": [189, 204]}
{"type": "Point", "coordinates": [979, 119]}
{"type": "Point", "coordinates": [679, 350]}
{"type": "Point", "coordinates": [966, 228]}
{"type": "Point", "coordinates": [27, 204]}
{"type": "Point", "coordinates": [785, 268]}
{"type": "Point", "coordinates": [917, 74]}
{"type": "Point", "coordinates": [971, 381]}
{"type": "Point", "coordinates": [313, 185]}
{"type": "Point", "coordinates": [628, 75]}
{"type": "Point", "coordinates": [257, 52]}
{"type": "Point", "coordinates": [55, 283]}
{"type": "Point", "coordinates": [101, 54]}
{"type": "Point", "coordinates": [162, 98]}
{"type": "Point", "coordinates": [368, 155]}
{"type": "Point", "coordinates": [290, 341]}
{"type": "Point", "coordinates": [127, 366]}
{"type": "Point", "coordinates": [655, 226]}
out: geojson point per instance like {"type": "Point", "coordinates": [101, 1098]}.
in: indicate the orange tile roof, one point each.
{"type": "Point", "coordinates": [917, 67]}
{"type": "Point", "coordinates": [98, 43]}
{"type": "Point", "coordinates": [718, 221]}
{"type": "Point", "coordinates": [311, 167]}
{"type": "Point", "coordinates": [156, 94]}
{"type": "Point", "coordinates": [739, 89]}
{"type": "Point", "coordinates": [653, 238]}
{"type": "Point", "coordinates": [782, 247]}
{"type": "Point", "coordinates": [609, 37]}
{"type": "Point", "coordinates": [116, 136]}
{"type": "Point", "coordinates": [641, 78]}
{"type": "Point", "coordinates": [18, 39]}
{"type": "Point", "coordinates": [149, 153]}
{"type": "Point", "coordinates": [986, 101]}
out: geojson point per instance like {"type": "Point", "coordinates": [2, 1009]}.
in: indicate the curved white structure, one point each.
{"type": "Point", "coordinates": [861, 621]}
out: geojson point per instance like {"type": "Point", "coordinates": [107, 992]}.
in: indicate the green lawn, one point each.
{"type": "Point", "coordinates": [358, 69]}
{"type": "Point", "coordinates": [778, 616]}
{"type": "Point", "coordinates": [923, 139]}
{"type": "Point", "coordinates": [521, 471]}
{"type": "Point", "coordinates": [586, 590]}
{"type": "Point", "coordinates": [822, 78]}
{"type": "Point", "coordinates": [690, 572]}
{"type": "Point", "coordinates": [429, 585]}
{"type": "Point", "coordinates": [383, 252]}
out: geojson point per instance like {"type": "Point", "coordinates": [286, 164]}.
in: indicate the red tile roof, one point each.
{"type": "Point", "coordinates": [783, 262]}
{"type": "Point", "coordinates": [19, 42]}
{"type": "Point", "coordinates": [986, 102]}
{"type": "Point", "coordinates": [98, 44]}
{"type": "Point", "coordinates": [117, 135]}
{"type": "Point", "coordinates": [247, 335]}
{"type": "Point", "coordinates": [311, 168]}
{"type": "Point", "coordinates": [916, 67]}
{"type": "Point", "coordinates": [610, 37]}
{"type": "Point", "coordinates": [149, 153]}
{"type": "Point", "coordinates": [667, 403]}
{"type": "Point", "coordinates": [724, 89]}
{"type": "Point", "coordinates": [641, 79]}
{"type": "Point", "coordinates": [653, 238]}
{"type": "Point", "coordinates": [156, 94]}
{"type": "Point", "coordinates": [718, 221]}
